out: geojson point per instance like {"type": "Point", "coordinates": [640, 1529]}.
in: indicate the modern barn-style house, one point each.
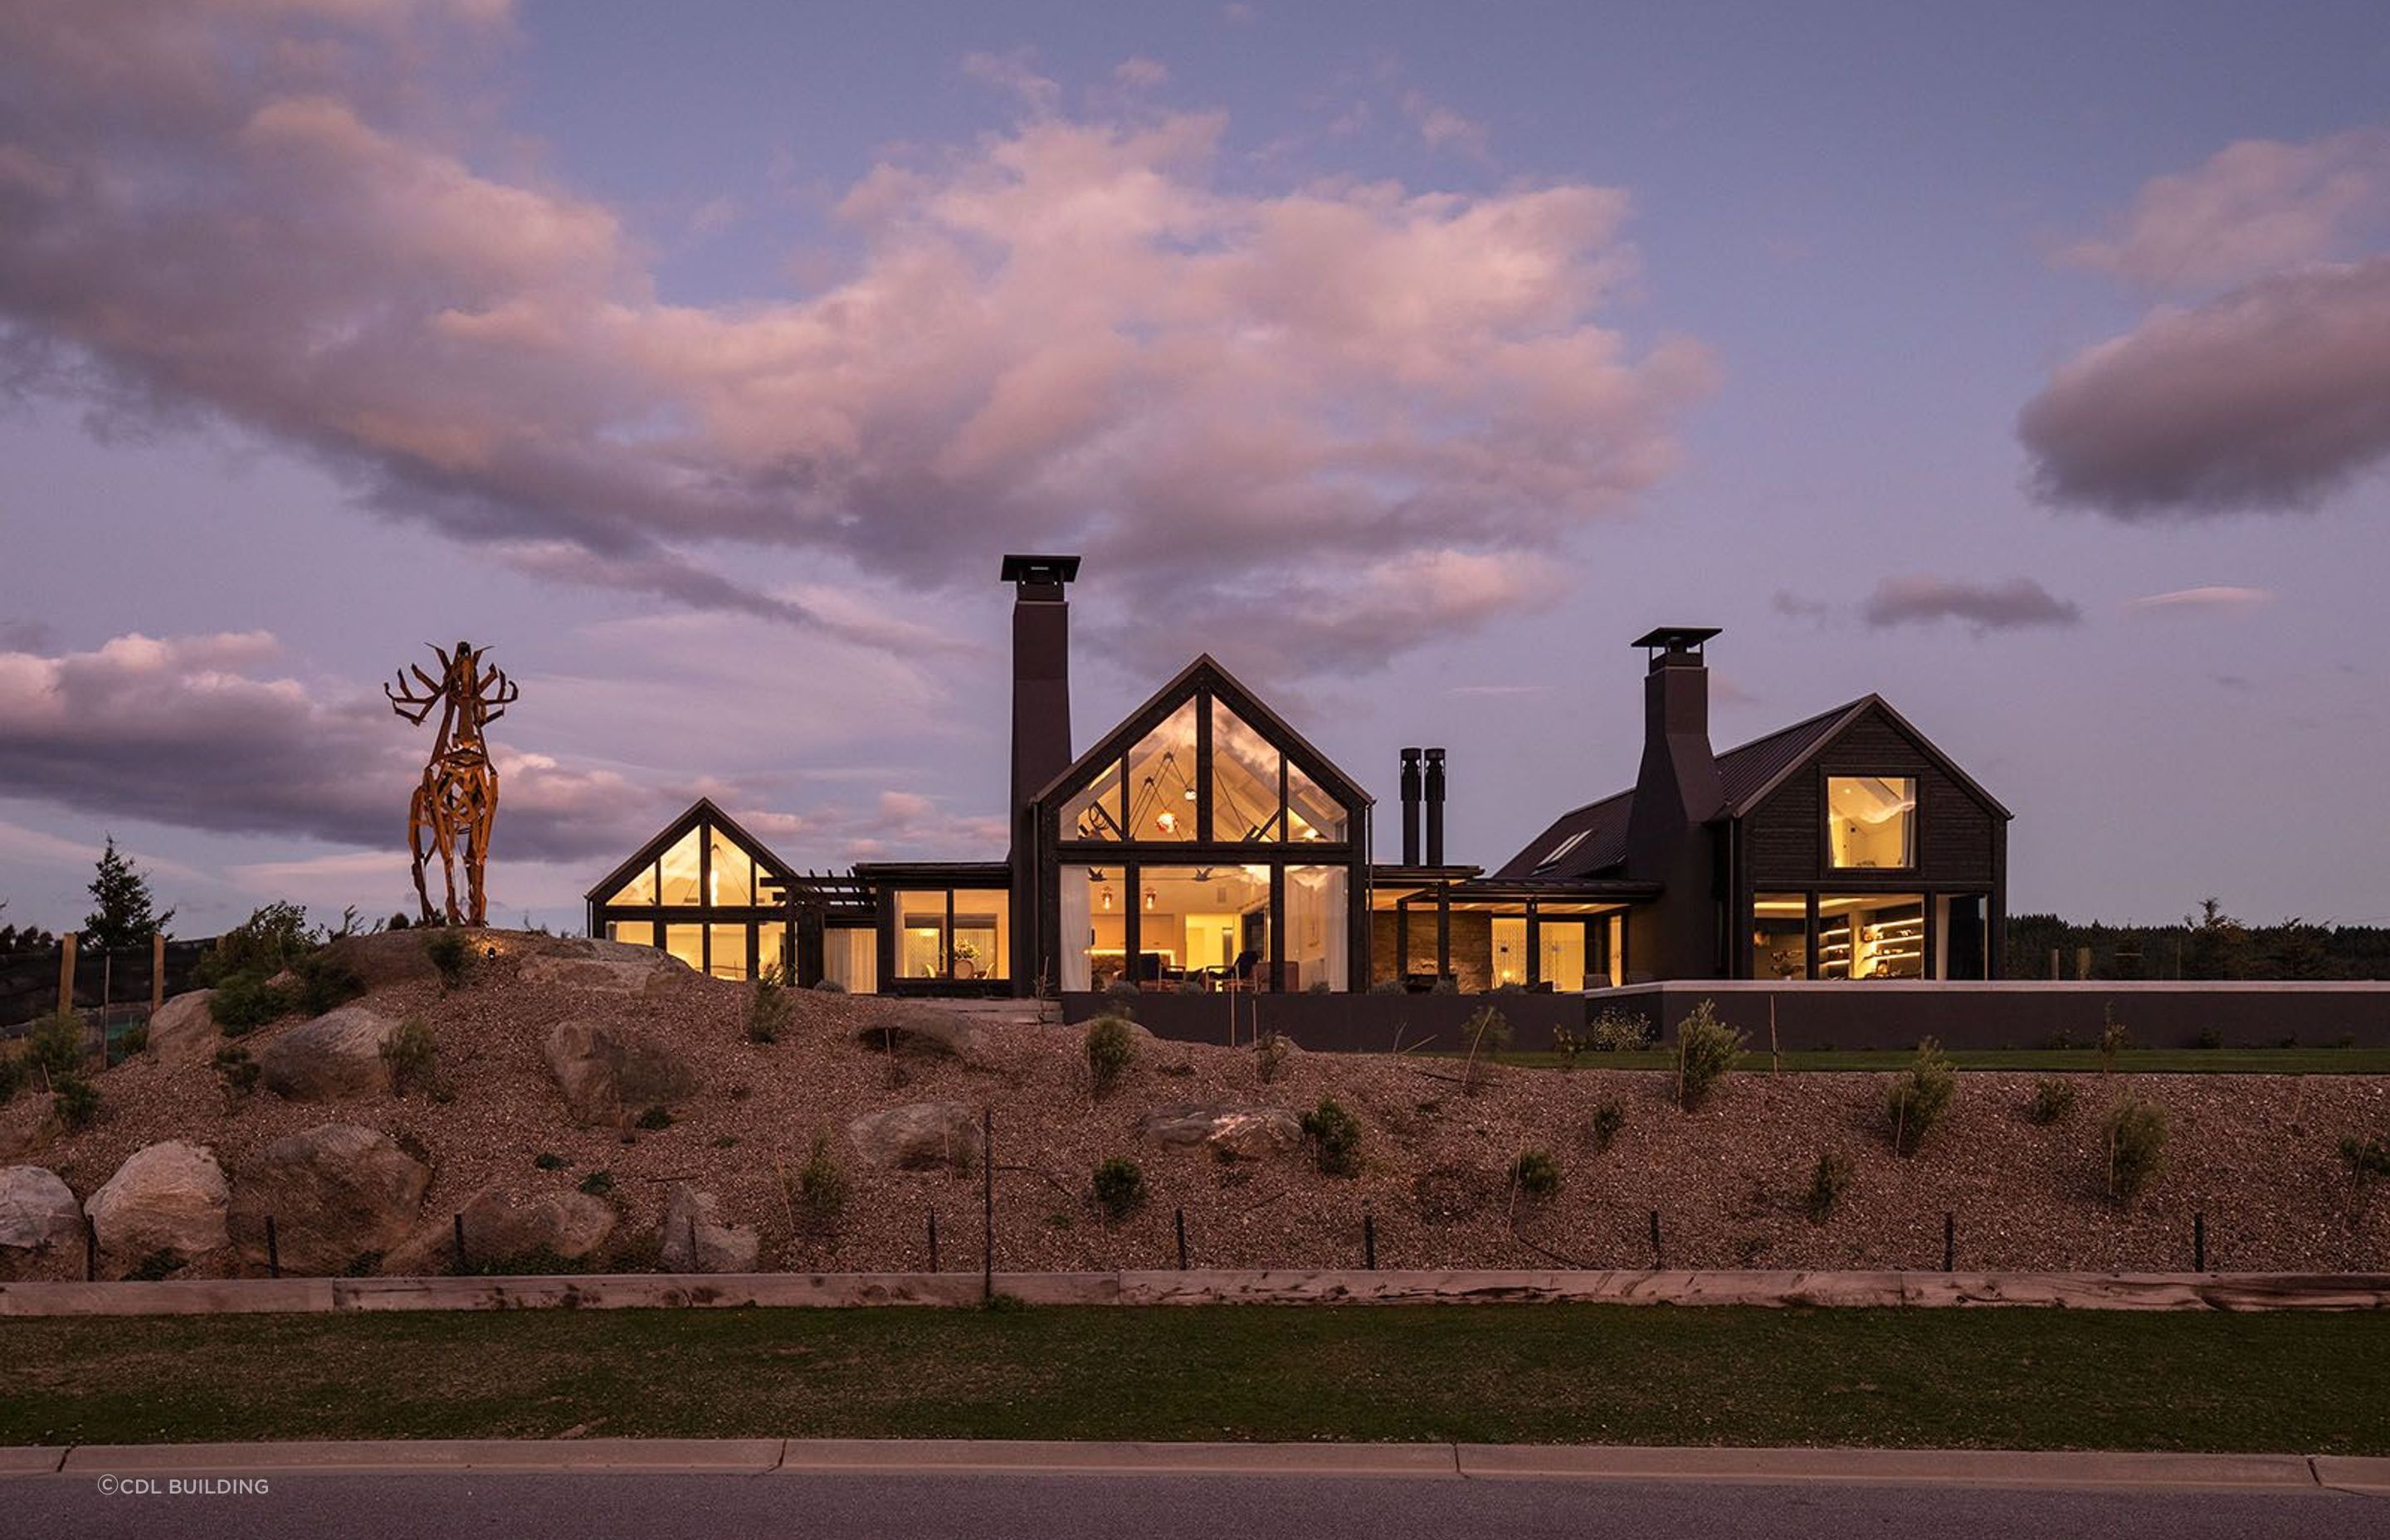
{"type": "Point", "coordinates": [1203, 845]}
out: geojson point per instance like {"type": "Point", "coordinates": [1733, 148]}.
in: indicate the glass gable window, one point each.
{"type": "Point", "coordinates": [1096, 813]}
{"type": "Point", "coordinates": [1871, 821]}
{"type": "Point", "coordinates": [1161, 781]}
{"type": "Point", "coordinates": [681, 888]}
{"type": "Point", "coordinates": [1311, 814]}
{"type": "Point", "coordinates": [640, 890]}
{"type": "Point", "coordinates": [1244, 781]}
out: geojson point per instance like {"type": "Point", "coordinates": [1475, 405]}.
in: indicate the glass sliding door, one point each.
{"type": "Point", "coordinates": [1319, 928]}
{"type": "Point", "coordinates": [1561, 946]}
{"type": "Point", "coordinates": [1780, 936]}
{"type": "Point", "coordinates": [1872, 936]}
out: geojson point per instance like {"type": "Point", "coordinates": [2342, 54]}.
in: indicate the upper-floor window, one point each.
{"type": "Point", "coordinates": [1872, 821]}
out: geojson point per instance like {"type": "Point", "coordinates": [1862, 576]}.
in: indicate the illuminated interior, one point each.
{"type": "Point", "coordinates": [1872, 936]}
{"type": "Point", "coordinates": [1780, 936]}
{"type": "Point", "coordinates": [707, 899]}
{"type": "Point", "coordinates": [1193, 926]}
{"type": "Point", "coordinates": [1871, 821]}
{"type": "Point", "coordinates": [1161, 781]}
{"type": "Point", "coordinates": [954, 933]}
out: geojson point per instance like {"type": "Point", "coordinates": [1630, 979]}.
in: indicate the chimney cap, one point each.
{"type": "Point", "coordinates": [1676, 638]}
{"type": "Point", "coordinates": [1041, 568]}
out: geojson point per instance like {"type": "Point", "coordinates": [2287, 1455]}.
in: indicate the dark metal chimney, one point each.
{"type": "Point", "coordinates": [1041, 670]}
{"type": "Point", "coordinates": [1410, 807]}
{"type": "Point", "coordinates": [1677, 793]}
{"type": "Point", "coordinates": [1435, 807]}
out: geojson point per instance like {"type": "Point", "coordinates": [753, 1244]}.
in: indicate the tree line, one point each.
{"type": "Point", "coordinates": [2209, 944]}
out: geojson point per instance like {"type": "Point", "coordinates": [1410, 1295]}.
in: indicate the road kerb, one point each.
{"type": "Point", "coordinates": [29, 1461]}
{"type": "Point", "coordinates": [1940, 1467]}
{"type": "Point", "coordinates": [819, 1456]}
{"type": "Point", "coordinates": [2352, 1473]}
{"type": "Point", "coordinates": [695, 1456]}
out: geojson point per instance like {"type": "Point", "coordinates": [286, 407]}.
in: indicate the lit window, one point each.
{"type": "Point", "coordinates": [1871, 821]}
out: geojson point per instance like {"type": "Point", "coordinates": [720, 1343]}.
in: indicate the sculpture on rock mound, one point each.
{"type": "Point", "coordinates": [458, 799]}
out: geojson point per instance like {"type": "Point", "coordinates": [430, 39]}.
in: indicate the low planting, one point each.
{"type": "Point", "coordinates": [1111, 1049]}
{"type": "Point", "coordinates": [1334, 1138]}
{"type": "Point", "coordinates": [1120, 1187]}
{"type": "Point", "coordinates": [1827, 1182]}
{"type": "Point", "coordinates": [1919, 1097]}
{"type": "Point", "coordinates": [2134, 1135]}
{"type": "Point", "coordinates": [1708, 1051]}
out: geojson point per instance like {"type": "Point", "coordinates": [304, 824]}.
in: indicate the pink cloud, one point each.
{"type": "Point", "coordinates": [1063, 335]}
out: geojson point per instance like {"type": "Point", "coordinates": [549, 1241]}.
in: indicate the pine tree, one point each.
{"type": "Point", "coordinates": [30, 938]}
{"type": "Point", "coordinates": [121, 890]}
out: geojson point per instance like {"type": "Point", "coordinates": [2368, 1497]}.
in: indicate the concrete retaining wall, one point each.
{"type": "Point", "coordinates": [1215, 1286]}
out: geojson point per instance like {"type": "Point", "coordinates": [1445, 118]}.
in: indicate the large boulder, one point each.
{"type": "Point", "coordinates": [334, 1058]}
{"type": "Point", "coordinates": [386, 958]}
{"type": "Point", "coordinates": [510, 1229]}
{"type": "Point", "coordinates": [611, 1074]}
{"type": "Point", "coordinates": [602, 966]}
{"type": "Point", "coordinates": [1239, 1133]}
{"type": "Point", "coordinates": [695, 1239]}
{"type": "Point", "coordinates": [168, 1197]}
{"type": "Point", "coordinates": [921, 1137]}
{"type": "Point", "coordinates": [183, 1032]}
{"type": "Point", "coordinates": [37, 1210]}
{"type": "Point", "coordinates": [338, 1195]}
{"type": "Point", "coordinates": [924, 1031]}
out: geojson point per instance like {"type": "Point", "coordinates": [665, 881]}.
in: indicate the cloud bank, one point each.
{"type": "Point", "coordinates": [1063, 335]}
{"type": "Point", "coordinates": [2266, 397]}
{"type": "Point", "coordinates": [2012, 605]}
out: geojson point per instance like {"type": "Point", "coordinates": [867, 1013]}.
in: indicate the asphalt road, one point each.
{"type": "Point", "coordinates": [1146, 1507]}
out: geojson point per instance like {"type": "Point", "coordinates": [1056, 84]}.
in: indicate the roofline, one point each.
{"type": "Point", "coordinates": [705, 809]}
{"type": "Point", "coordinates": [1851, 714]}
{"type": "Point", "coordinates": [1204, 662]}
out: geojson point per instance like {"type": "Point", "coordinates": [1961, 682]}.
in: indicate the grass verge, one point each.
{"type": "Point", "coordinates": [2139, 1061]}
{"type": "Point", "coordinates": [1994, 1379]}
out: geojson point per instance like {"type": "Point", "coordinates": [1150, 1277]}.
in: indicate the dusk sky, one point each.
{"type": "Point", "coordinates": [2028, 364]}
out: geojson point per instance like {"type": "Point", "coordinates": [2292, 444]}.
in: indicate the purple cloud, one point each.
{"type": "Point", "coordinates": [2012, 605]}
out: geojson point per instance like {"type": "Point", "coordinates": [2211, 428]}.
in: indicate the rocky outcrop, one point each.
{"type": "Point", "coordinates": [181, 1033]}
{"type": "Point", "coordinates": [922, 1137]}
{"type": "Point", "coordinates": [611, 1074]}
{"type": "Point", "coordinates": [603, 967]}
{"type": "Point", "coordinates": [38, 1212]}
{"type": "Point", "coordinates": [386, 958]}
{"type": "Point", "coordinates": [922, 1030]}
{"type": "Point", "coordinates": [334, 1058]}
{"type": "Point", "coordinates": [339, 1197]}
{"type": "Point", "coordinates": [1239, 1133]}
{"type": "Point", "coordinates": [168, 1197]}
{"type": "Point", "coordinates": [695, 1239]}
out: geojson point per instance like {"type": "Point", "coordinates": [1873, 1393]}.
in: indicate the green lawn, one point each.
{"type": "Point", "coordinates": [2145, 1061]}
{"type": "Point", "coordinates": [2011, 1379]}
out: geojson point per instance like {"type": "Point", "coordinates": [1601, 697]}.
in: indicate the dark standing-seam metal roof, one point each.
{"type": "Point", "coordinates": [1744, 772]}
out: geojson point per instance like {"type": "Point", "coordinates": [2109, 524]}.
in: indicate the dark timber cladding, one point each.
{"type": "Point", "coordinates": [1677, 793]}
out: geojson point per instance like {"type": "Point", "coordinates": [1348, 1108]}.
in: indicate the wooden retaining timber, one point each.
{"type": "Point", "coordinates": [691, 1290]}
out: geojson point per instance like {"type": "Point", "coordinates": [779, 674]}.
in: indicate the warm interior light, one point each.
{"type": "Point", "coordinates": [1167, 821]}
{"type": "Point", "coordinates": [1148, 898]}
{"type": "Point", "coordinates": [1108, 898]}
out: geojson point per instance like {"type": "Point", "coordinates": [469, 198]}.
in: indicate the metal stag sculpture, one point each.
{"type": "Point", "coordinates": [458, 799]}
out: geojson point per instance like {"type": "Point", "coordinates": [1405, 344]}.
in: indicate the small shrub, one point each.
{"type": "Point", "coordinates": [1535, 1173]}
{"type": "Point", "coordinates": [1918, 1098]}
{"type": "Point", "coordinates": [451, 954]}
{"type": "Point", "coordinates": [245, 1001]}
{"type": "Point", "coordinates": [1111, 1049]}
{"type": "Point", "coordinates": [2134, 1134]}
{"type": "Point", "coordinates": [75, 1101]}
{"type": "Point", "coordinates": [2368, 1160]}
{"type": "Point", "coordinates": [829, 987]}
{"type": "Point", "coordinates": [135, 1040]}
{"type": "Point", "coordinates": [1568, 1043]}
{"type": "Point", "coordinates": [1120, 1187]}
{"type": "Point", "coordinates": [2208, 1038]}
{"type": "Point", "coordinates": [1607, 1120]}
{"type": "Point", "coordinates": [270, 940]}
{"type": "Point", "coordinates": [597, 1184]}
{"type": "Point", "coordinates": [821, 1188]}
{"type": "Point", "coordinates": [1389, 986]}
{"type": "Point", "coordinates": [412, 1055]}
{"type": "Point", "coordinates": [768, 1010]}
{"type": "Point", "coordinates": [1334, 1136]}
{"type": "Point", "coordinates": [655, 1117]}
{"type": "Point", "coordinates": [2054, 1100]}
{"type": "Point", "coordinates": [1488, 1032]}
{"type": "Point", "coordinates": [2113, 1039]}
{"type": "Point", "coordinates": [548, 1160]}
{"type": "Point", "coordinates": [236, 1071]}
{"type": "Point", "coordinates": [1708, 1051]}
{"type": "Point", "coordinates": [1271, 1051]}
{"type": "Point", "coordinates": [157, 1265]}
{"type": "Point", "coordinates": [1827, 1182]}
{"type": "Point", "coordinates": [53, 1043]}
{"type": "Point", "coordinates": [326, 984]}
{"type": "Point", "coordinates": [1123, 991]}
{"type": "Point", "coordinates": [1616, 1030]}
